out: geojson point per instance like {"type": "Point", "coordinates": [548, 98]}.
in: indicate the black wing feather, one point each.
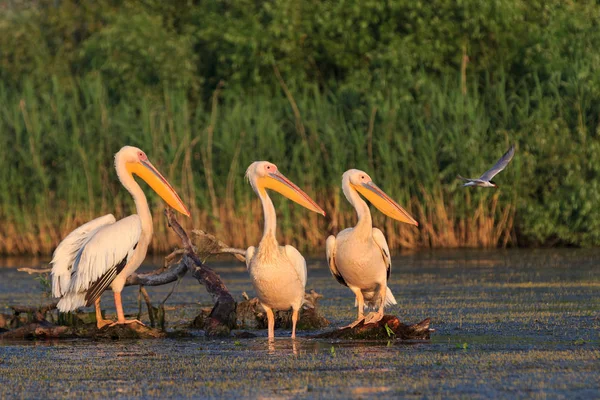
{"type": "Point", "coordinates": [339, 278]}
{"type": "Point", "coordinates": [389, 266]}
{"type": "Point", "coordinates": [97, 288]}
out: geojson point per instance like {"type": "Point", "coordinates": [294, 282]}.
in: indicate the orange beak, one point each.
{"type": "Point", "coordinates": [384, 203]}
{"type": "Point", "coordinates": [276, 181]}
{"type": "Point", "coordinates": [147, 171]}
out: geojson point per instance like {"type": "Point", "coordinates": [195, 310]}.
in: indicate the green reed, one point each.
{"type": "Point", "coordinates": [59, 141]}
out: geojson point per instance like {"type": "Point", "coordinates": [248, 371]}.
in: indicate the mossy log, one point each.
{"type": "Point", "coordinates": [39, 330]}
{"type": "Point", "coordinates": [46, 330]}
{"type": "Point", "coordinates": [388, 328]}
{"type": "Point", "coordinates": [251, 315]}
{"type": "Point", "coordinates": [128, 331]}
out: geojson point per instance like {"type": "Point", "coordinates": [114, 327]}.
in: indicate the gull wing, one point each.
{"type": "Point", "coordinates": [500, 165]}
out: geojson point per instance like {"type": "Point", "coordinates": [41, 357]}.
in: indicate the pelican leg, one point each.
{"type": "Point", "coordinates": [377, 316]}
{"type": "Point", "coordinates": [360, 302]}
{"type": "Point", "coordinates": [294, 321]}
{"type": "Point", "coordinates": [120, 315]}
{"type": "Point", "coordinates": [270, 322]}
{"type": "Point", "coordinates": [100, 322]}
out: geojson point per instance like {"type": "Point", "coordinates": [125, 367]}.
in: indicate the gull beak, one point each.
{"type": "Point", "coordinates": [384, 203]}
{"type": "Point", "coordinates": [145, 170]}
{"type": "Point", "coordinates": [279, 183]}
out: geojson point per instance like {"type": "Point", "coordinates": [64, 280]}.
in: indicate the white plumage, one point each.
{"type": "Point", "coordinates": [97, 255]}
{"type": "Point", "coordinates": [66, 252]}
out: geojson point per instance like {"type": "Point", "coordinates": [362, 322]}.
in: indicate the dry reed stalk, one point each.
{"type": "Point", "coordinates": [491, 224]}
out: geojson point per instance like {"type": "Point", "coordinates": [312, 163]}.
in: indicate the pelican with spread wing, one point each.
{"type": "Point", "coordinates": [278, 272]}
{"type": "Point", "coordinates": [104, 252]}
{"type": "Point", "coordinates": [359, 257]}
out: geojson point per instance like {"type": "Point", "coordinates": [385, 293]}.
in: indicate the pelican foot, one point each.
{"type": "Point", "coordinates": [355, 323]}
{"type": "Point", "coordinates": [101, 323]}
{"type": "Point", "coordinates": [128, 321]}
{"type": "Point", "coordinates": [373, 317]}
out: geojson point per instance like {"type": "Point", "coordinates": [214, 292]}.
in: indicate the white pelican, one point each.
{"type": "Point", "coordinates": [359, 257]}
{"type": "Point", "coordinates": [104, 252]}
{"type": "Point", "coordinates": [278, 272]}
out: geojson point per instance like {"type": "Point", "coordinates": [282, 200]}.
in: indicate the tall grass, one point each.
{"type": "Point", "coordinates": [57, 167]}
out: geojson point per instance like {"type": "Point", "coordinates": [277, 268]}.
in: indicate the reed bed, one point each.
{"type": "Point", "coordinates": [57, 167]}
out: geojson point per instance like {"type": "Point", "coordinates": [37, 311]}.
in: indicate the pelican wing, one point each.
{"type": "Point", "coordinates": [385, 250]}
{"type": "Point", "coordinates": [249, 254]}
{"type": "Point", "coordinates": [298, 262]}
{"type": "Point", "coordinates": [330, 251]}
{"type": "Point", "coordinates": [500, 165]}
{"type": "Point", "coordinates": [100, 260]}
{"type": "Point", "coordinates": [66, 252]}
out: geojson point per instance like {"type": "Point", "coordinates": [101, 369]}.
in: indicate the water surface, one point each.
{"type": "Point", "coordinates": [512, 324]}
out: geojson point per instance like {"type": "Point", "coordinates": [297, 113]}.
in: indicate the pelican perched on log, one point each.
{"type": "Point", "coordinates": [359, 257]}
{"type": "Point", "coordinates": [104, 252]}
{"type": "Point", "coordinates": [278, 272]}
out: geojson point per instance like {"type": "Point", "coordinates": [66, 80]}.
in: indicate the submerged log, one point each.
{"type": "Point", "coordinates": [128, 331]}
{"type": "Point", "coordinates": [39, 330]}
{"type": "Point", "coordinates": [46, 330]}
{"type": "Point", "coordinates": [388, 328]}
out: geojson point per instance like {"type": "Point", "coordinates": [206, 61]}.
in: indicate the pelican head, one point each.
{"type": "Point", "coordinates": [362, 182]}
{"type": "Point", "coordinates": [136, 162]}
{"type": "Point", "coordinates": [265, 175]}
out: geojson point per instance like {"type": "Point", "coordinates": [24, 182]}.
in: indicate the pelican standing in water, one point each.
{"type": "Point", "coordinates": [104, 252]}
{"type": "Point", "coordinates": [278, 272]}
{"type": "Point", "coordinates": [359, 257]}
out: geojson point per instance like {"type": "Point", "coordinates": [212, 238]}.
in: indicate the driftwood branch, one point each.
{"type": "Point", "coordinates": [209, 244]}
{"type": "Point", "coordinates": [34, 270]}
{"type": "Point", "coordinates": [223, 315]}
{"type": "Point", "coordinates": [158, 277]}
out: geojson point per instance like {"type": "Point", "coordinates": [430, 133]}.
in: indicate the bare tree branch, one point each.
{"type": "Point", "coordinates": [209, 244]}
{"type": "Point", "coordinates": [223, 314]}
{"type": "Point", "coordinates": [158, 277]}
{"type": "Point", "coordinates": [34, 270]}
